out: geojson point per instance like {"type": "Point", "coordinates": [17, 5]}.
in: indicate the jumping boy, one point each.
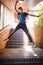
{"type": "Point", "coordinates": [22, 22]}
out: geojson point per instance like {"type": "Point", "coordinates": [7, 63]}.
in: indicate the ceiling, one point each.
{"type": "Point", "coordinates": [11, 3]}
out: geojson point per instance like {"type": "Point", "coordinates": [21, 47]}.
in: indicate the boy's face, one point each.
{"type": "Point", "coordinates": [20, 10]}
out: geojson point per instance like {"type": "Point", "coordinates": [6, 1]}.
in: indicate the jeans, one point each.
{"type": "Point", "coordinates": [22, 26]}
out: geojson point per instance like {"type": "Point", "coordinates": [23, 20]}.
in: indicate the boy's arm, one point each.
{"type": "Point", "coordinates": [33, 10]}
{"type": "Point", "coordinates": [15, 6]}
{"type": "Point", "coordinates": [34, 15]}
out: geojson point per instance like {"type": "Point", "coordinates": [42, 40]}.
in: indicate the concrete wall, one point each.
{"type": "Point", "coordinates": [4, 35]}
{"type": "Point", "coordinates": [0, 12]}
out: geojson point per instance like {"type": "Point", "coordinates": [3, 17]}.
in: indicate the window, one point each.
{"type": "Point", "coordinates": [6, 16]}
{"type": "Point", "coordinates": [2, 15]}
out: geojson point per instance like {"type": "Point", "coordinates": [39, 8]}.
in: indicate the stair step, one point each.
{"type": "Point", "coordinates": [14, 46]}
{"type": "Point", "coordinates": [15, 43]}
{"type": "Point", "coordinates": [23, 61]}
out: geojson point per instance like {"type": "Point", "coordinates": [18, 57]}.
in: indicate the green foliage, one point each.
{"type": "Point", "coordinates": [41, 10]}
{"type": "Point", "coordinates": [40, 19]}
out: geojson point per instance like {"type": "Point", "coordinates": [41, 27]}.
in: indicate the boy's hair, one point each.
{"type": "Point", "coordinates": [20, 8]}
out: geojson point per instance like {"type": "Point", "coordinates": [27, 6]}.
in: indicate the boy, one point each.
{"type": "Point", "coordinates": [22, 22]}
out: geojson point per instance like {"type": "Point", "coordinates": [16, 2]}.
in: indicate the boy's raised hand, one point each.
{"type": "Point", "coordinates": [16, 5]}
{"type": "Point", "coordinates": [17, 1]}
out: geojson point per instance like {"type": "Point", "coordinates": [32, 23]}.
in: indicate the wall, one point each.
{"type": "Point", "coordinates": [0, 15]}
{"type": "Point", "coordinates": [4, 34]}
{"type": "Point", "coordinates": [0, 12]}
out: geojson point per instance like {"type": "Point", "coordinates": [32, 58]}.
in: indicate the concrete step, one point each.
{"type": "Point", "coordinates": [32, 61]}
{"type": "Point", "coordinates": [14, 46]}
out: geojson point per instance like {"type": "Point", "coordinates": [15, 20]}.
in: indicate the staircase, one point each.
{"type": "Point", "coordinates": [15, 54]}
{"type": "Point", "coordinates": [16, 40]}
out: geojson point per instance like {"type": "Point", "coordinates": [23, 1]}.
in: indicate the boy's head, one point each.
{"type": "Point", "coordinates": [20, 9]}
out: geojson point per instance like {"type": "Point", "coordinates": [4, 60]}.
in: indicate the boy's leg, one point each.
{"type": "Point", "coordinates": [18, 27]}
{"type": "Point", "coordinates": [27, 33]}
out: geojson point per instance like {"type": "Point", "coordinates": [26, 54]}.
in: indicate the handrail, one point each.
{"type": "Point", "coordinates": [4, 28]}
{"type": "Point", "coordinates": [5, 40]}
